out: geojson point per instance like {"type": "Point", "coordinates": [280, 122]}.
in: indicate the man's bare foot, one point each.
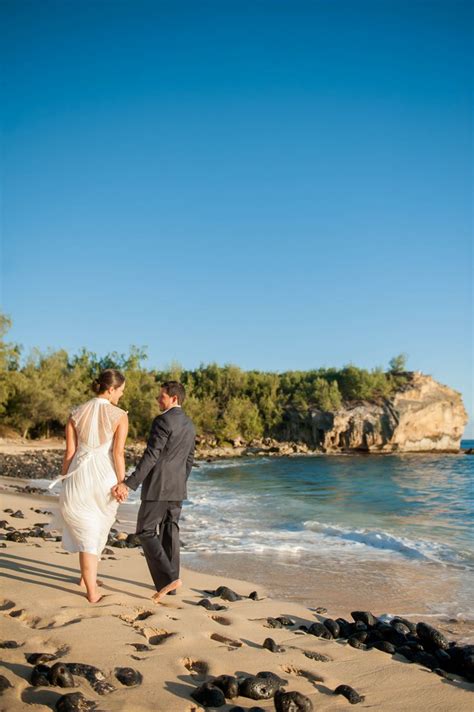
{"type": "Point", "coordinates": [170, 587]}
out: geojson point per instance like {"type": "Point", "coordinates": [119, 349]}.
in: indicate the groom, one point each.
{"type": "Point", "coordinates": [163, 472]}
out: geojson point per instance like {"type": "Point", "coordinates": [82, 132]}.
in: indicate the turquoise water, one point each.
{"type": "Point", "coordinates": [412, 506]}
{"type": "Point", "coordinates": [368, 515]}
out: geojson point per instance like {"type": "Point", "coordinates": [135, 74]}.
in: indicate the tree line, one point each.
{"type": "Point", "coordinates": [226, 403]}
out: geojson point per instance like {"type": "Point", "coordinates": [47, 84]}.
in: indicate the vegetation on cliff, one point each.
{"type": "Point", "coordinates": [226, 403]}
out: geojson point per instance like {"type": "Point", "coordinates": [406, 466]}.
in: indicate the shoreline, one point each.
{"type": "Point", "coordinates": [178, 645]}
{"type": "Point", "coordinates": [328, 582]}
{"type": "Point", "coordinates": [20, 446]}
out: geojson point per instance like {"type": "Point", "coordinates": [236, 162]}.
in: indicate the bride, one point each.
{"type": "Point", "coordinates": [94, 461]}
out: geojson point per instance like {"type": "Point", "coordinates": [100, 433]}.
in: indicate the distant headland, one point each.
{"type": "Point", "coordinates": [324, 410]}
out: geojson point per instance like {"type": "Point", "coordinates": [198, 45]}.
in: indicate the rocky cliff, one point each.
{"type": "Point", "coordinates": [423, 416]}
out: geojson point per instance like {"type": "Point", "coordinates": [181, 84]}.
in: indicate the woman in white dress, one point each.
{"type": "Point", "coordinates": [94, 462]}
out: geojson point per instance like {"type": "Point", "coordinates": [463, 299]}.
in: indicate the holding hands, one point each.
{"type": "Point", "coordinates": [120, 492]}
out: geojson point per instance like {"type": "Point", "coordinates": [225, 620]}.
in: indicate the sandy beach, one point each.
{"type": "Point", "coordinates": [178, 645]}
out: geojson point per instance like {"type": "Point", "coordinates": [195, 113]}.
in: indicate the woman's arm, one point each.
{"type": "Point", "coordinates": [120, 437]}
{"type": "Point", "coordinates": [71, 446]}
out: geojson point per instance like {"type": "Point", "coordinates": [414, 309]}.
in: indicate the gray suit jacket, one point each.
{"type": "Point", "coordinates": [166, 464]}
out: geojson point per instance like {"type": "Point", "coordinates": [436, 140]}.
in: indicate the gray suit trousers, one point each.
{"type": "Point", "coordinates": [161, 550]}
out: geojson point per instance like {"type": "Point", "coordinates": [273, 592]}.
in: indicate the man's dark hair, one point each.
{"type": "Point", "coordinates": [175, 388]}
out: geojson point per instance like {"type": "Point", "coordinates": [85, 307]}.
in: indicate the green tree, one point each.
{"type": "Point", "coordinates": [398, 364]}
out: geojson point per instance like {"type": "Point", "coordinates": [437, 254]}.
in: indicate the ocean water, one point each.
{"type": "Point", "coordinates": [291, 519]}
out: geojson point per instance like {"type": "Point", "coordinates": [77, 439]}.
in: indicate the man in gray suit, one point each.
{"type": "Point", "coordinates": [163, 472]}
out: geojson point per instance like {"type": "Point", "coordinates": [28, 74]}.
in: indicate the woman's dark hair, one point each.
{"type": "Point", "coordinates": [110, 378]}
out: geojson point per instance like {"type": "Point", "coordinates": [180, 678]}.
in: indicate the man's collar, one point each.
{"type": "Point", "coordinates": [171, 408]}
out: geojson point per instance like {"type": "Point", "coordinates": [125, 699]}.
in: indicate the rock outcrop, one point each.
{"type": "Point", "coordinates": [423, 416]}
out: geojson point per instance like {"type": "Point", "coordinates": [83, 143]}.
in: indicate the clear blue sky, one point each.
{"type": "Point", "coordinates": [279, 185]}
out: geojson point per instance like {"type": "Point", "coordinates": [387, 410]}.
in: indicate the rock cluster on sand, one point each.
{"type": "Point", "coordinates": [417, 643]}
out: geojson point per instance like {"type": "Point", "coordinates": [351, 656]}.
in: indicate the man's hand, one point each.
{"type": "Point", "coordinates": [120, 492]}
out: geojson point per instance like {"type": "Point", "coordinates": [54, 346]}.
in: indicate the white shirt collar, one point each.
{"type": "Point", "coordinates": [170, 408]}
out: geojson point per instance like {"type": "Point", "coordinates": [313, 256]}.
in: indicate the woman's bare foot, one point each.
{"type": "Point", "coordinates": [98, 597]}
{"type": "Point", "coordinates": [170, 587]}
{"type": "Point", "coordinates": [82, 583]}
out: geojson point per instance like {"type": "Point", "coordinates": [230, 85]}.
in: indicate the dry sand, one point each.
{"type": "Point", "coordinates": [43, 609]}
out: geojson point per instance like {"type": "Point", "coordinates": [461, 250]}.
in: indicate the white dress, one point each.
{"type": "Point", "coordinates": [87, 508]}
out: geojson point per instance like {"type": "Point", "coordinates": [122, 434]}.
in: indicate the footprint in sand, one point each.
{"type": "Point", "coordinates": [232, 644]}
{"type": "Point", "coordinates": [132, 618]}
{"type": "Point", "coordinates": [222, 620]}
{"type": "Point", "coordinates": [156, 636]}
{"type": "Point", "coordinates": [144, 615]}
{"type": "Point", "coordinates": [198, 668]}
{"type": "Point", "coordinates": [293, 670]}
{"type": "Point", "coordinates": [21, 615]}
{"type": "Point", "coordinates": [6, 604]}
{"type": "Point", "coordinates": [37, 623]}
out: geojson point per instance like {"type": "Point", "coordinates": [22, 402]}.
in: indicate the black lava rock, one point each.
{"type": "Point", "coordinates": [411, 626]}
{"type": "Point", "coordinates": [317, 656]}
{"type": "Point", "coordinates": [37, 658]}
{"type": "Point", "coordinates": [285, 621]}
{"type": "Point", "coordinates": [292, 702]}
{"type": "Point", "coordinates": [119, 544]}
{"type": "Point", "coordinates": [361, 635]}
{"type": "Point", "coordinates": [259, 688]}
{"type": "Point", "coordinates": [276, 679]}
{"type": "Point", "coordinates": [349, 693]}
{"type": "Point", "coordinates": [227, 594]}
{"type": "Point", "coordinates": [364, 616]}
{"type": "Point", "coordinates": [355, 642]}
{"type": "Point", "coordinates": [93, 675]}
{"type": "Point", "coordinates": [274, 623]}
{"type": "Point", "coordinates": [346, 628]}
{"type": "Point", "coordinates": [237, 709]}
{"type": "Point", "coordinates": [400, 628]}
{"type": "Point", "coordinates": [205, 603]}
{"type": "Point", "coordinates": [385, 646]}
{"type": "Point", "coordinates": [128, 676]}
{"type": "Point", "coordinates": [373, 636]}
{"type": "Point", "coordinates": [75, 702]}
{"type": "Point", "coordinates": [4, 684]}
{"type": "Point", "coordinates": [253, 596]}
{"type": "Point", "coordinates": [407, 652]}
{"type": "Point", "coordinates": [133, 540]}
{"type": "Point", "coordinates": [10, 644]}
{"type": "Point", "coordinates": [228, 684]}
{"type": "Point", "coordinates": [270, 644]}
{"type": "Point", "coordinates": [16, 536]}
{"type": "Point", "coordinates": [208, 695]}
{"type": "Point", "coordinates": [319, 630]}
{"type": "Point", "coordinates": [18, 514]}
{"type": "Point", "coordinates": [431, 637]}
{"type": "Point", "coordinates": [59, 676]}
{"type": "Point", "coordinates": [40, 676]}
{"type": "Point", "coordinates": [395, 637]}
{"type": "Point", "coordinates": [333, 627]}
{"type": "Point", "coordinates": [426, 659]}
{"type": "Point", "coordinates": [444, 659]}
